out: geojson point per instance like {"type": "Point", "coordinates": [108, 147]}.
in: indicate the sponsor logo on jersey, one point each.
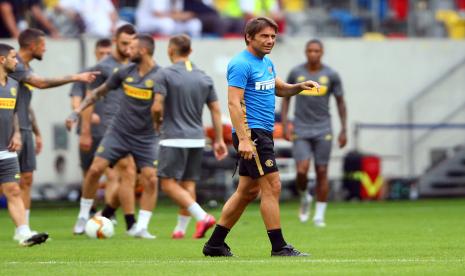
{"type": "Point", "coordinates": [137, 93]}
{"type": "Point", "coordinates": [13, 91]}
{"type": "Point", "coordinates": [7, 103]}
{"type": "Point", "coordinates": [269, 163]}
{"type": "Point", "coordinates": [314, 92]}
{"type": "Point", "coordinates": [149, 83]}
{"type": "Point", "coordinates": [265, 85]}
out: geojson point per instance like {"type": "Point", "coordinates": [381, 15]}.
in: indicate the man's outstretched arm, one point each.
{"type": "Point", "coordinates": [42, 83]}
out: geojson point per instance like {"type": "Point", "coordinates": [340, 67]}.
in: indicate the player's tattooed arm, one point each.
{"type": "Point", "coordinates": [42, 83]}
{"type": "Point", "coordinates": [157, 111]}
{"type": "Point", "coordinates": [15, 142]}
{"type": "Point", "coordinates": [36, 130]}
{"type": "Point", "coordinates": [284, 89]}
{"type": "Point", "coordinates": [89, 100]}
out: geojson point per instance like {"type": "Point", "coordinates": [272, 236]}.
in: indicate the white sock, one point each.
{"type": "Point", "coordinates": [86, 205]}
{"type": "Point", "coordinates": [28, 212]}
{"type": "Point", "coordinates": [143, 219]}
{"type": "Point", "coordinates": [183, 222]}
{"type": "Point", "coordinates": [320, 208]}
{"type": "Point", "coordinates": [196, 211]}
{"type": "Point", "coordinates": [23, 230]}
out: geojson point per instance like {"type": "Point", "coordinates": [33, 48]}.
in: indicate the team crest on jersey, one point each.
{"type": "Point", "coordinates": [13, 91]}
{"type": "Point", "coordinates": [149, 83]}
{"type": "Point", "coordinates": [300, 79]}
{"type": "Point", "coordinates": [129, 79]}
{"type": "Point", "coordinates": [323, 80]}
{"type": "Point", "coordinates": [269, 163]}
{"type": "Point", "coordinates": [270, 69]}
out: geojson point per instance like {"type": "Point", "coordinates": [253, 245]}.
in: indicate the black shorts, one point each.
{"type": "Point", "coordinates": [27, 155]}
{"type": "Point", "coordinates": [182, 164]}
{"type": "Point", "coordinates": [264, 160]}
{"type": "Point", "coordinates": [86, 157]}
{"type": "Point", "coordinates": [115, 146]}
{"type": "Point", "coordinates": [9, 170]}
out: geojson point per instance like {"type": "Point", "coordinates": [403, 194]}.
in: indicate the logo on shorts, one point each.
{"type": "Point", "coordinates": [155, 163]}
{"type": "Point", "coordinates": [13, 91]}
{"type": "Point", "coordinates": [115, 69]}
{"type": "Point", "coordinates": [328, 137]}
{"type": "Point", "coordinates": [129, 79]}
{"type": "Point", "coordinates": [100, 149]}
{"type": "Point", "coordinates": [269, 163]}
{"type": "Point", "coordinates": [17, 176]}
{"type": "Point", "coordinates": [149, 83]}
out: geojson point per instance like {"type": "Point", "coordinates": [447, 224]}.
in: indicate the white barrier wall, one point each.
{"type": "Point", "coordinates": [378, 77]}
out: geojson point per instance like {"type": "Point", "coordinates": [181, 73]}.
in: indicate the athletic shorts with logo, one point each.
{"type": "Point", "coordinates": [87, 157]}
{"type": "Point", "coordinates": [264, 160]}
{"type": "Point", "coordinates": [318, 147]}
{"type": "Point", "coordinates": [27, 155]}
{"type": "Point", "coordinates": [115, 146]}
{"type": "Point", "coordinates": [9, 170]}
{"type": "Point", "coordinates": [182, 164]}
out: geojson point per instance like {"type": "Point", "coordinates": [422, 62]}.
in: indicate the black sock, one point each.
{"type": "Point", "coordinates": [218, 236]}
{"type": "Point", "coordinates": [93, 210]}
{"type": "Point", "coordinates": [276, 239]}
{"type": "Point", "coordinates": [130, 220]}
{"type": "Point", "coordinates": [108, 211]}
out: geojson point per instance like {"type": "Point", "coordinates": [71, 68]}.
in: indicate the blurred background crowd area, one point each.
{"type": "Point", "coordinates": [375, 19]}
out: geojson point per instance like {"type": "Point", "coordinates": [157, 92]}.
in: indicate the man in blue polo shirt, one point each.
{"type": "Point", "coordinates": [252, 87]}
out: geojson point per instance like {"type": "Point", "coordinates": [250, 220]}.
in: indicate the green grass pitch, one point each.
{"type": "Point", "coordinates": [390, 238]}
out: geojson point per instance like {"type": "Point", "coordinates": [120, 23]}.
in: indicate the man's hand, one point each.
{"type": "Point", "coordinates": [220, 150]}
{"type": "Point", "coordinates": [245, 149]}
{"type": "Point", "coordinates": [85, 142]}
{"type": "Point", "coordinates": [38, 144]}
{"type": "Point", "coordinates": [342, 139]}
{"type": "Point", "coordinates": [71, 120]}
{"type": "Point", "coordinates": [87, 77]}
{"type": "Point", "coordinates": [15, 143]}
{"type": "Point", "coordinates": [309, 85]}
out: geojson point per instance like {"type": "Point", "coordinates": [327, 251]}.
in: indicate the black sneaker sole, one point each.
{"type": "Point", "coordinates": [36, 239]}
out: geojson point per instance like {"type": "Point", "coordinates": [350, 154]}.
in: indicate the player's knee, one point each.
{"type": "Point", "coordinates": [150, 184]}
{"type": "Point", "coordinates": [12, 191]}
{"type": "Point", "coordinates": [273, 188]}
{"type": "Point", "coordinates": [250, 195]}
{"type": "Point", "coordinates": [26, 180]}
{"type": "Point", "coordinates": [167, 187]}
{"type": "Point", "coordinates": [95, 171]}
{"type": "Point", "coordinates": [322, 171]}
{"type": "Point", "coordinates": [302, 168]}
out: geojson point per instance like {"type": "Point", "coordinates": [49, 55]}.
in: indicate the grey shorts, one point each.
{"type": "Point", "coordinates": [180, 163]}
{"type": "Point", "coordinates": [86, 157]}
{"type": "Point", "coordinates": [9, 170]}
{"type": "Point", "coordinates": [318, 147]}
{"type": "Point", "coordinates": [115, 146]}
{"type": "Point", "coordinates": [27, 155]}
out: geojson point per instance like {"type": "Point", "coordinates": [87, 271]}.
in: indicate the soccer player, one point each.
{"type": "Point", "coordinates": [182, 91]}
{"type": "Point", "coordinates": [252, 86]}
{"type": "Point", "coordinates": [10, 143]}
{"type": "Point", "coordinates": [123, 176]}
{"type": "Point", "coordinates": [32, 46]}
{"type": "Point", "coordinates": [313, 134]}
{"type": "Point", "coordinates": [130, 132]}
{"type": "Point", "coordinates": [93, 125]}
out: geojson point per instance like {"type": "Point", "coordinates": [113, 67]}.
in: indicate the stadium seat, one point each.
{"type": "Point", "coordinates": [351, 26]}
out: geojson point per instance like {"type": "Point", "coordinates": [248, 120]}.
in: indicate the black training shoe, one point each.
{"type": "Point", "coordinates": [288, 251]}
{"type": "Point", "coordinates": [35, 239]}
{"type": "Point", "coordinates": [217, 251]}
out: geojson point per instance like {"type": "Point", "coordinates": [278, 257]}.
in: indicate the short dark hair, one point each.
{"type": "Point", "coordinates": [314, 41]}
{"type": "Point", "coordinates": [182, 43]}
{"type": "Point", "coordinates": [126, 29]}
{"type": "Point", "coordinates": [29, 36]}
{"type": "Point", "coordinates": [103, 42]}
{"type": "Point", "coordinates": [146, 41]}
{"type": "Point", "coordinates": [5, 49]}
{"type": "Point", "coordinates": [255, 25]}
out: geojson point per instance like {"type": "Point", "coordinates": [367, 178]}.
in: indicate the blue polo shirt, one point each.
{"type": "Point", "coordinates": [257, 77]}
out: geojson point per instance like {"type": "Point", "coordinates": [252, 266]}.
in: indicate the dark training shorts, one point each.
{"type": "Point", "coordinates": [264, 161]}
{"type": "Point", "coordinates": [318, 147]}
{"type": "Point", "coordinates": [180, 163]}
{"type": "Point", "coordinates": [115, 146]}
{"type": "Point", "coordinates": [9, 170]}
{"type": "Point", "coordinates": [86, 157]}
{"type": "Point", "coordinates": [27, 155]}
